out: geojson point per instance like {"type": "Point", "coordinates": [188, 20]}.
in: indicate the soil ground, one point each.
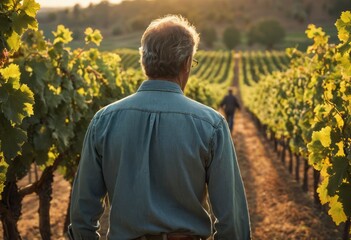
{"type": "Point", "coordinates": [279, 209]}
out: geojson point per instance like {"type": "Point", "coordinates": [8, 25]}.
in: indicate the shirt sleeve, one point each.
{"type": "Point", "coordinates": [88, 192]}
{"type": "Point", "coordinates": [226, 190]}
{"type": "Point", "coordinates": [223, 101]}
{"type": "Point", "coordinates": [236, 103]}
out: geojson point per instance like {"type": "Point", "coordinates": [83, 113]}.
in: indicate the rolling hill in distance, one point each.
{"type": "Point", "coordinates": [122, 24]}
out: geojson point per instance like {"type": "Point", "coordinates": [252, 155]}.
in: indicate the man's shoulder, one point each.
{"type": "Point", "coordinates": [113, 107]}
{"type": "Point", "coordinates": [204, 112]}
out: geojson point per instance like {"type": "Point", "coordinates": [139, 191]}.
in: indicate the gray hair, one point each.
{"type": "Point", "coordinates": [165, 46]}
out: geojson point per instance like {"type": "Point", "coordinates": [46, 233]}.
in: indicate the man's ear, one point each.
{"type": "Point", "coordinates": [188, 64]}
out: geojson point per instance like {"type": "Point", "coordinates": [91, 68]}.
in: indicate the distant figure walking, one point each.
{"type": "Point", "coordinates": [229, 104]}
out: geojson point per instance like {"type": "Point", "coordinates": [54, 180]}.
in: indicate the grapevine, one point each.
{"type": "Point", "coordinates": [310, 104]}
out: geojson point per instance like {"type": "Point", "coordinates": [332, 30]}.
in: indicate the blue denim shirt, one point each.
{"type": "Point", "coordinates": [154, 153]}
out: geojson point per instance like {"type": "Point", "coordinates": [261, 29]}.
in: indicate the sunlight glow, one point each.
{"type": "Point", "coordinates": [69, 3]}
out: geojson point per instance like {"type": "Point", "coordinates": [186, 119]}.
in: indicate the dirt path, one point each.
{"type": "Point", "coordinates": [279, 209]}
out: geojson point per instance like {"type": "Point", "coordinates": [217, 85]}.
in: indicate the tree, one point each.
{"type": "Point", "coordinates": [338, 6]}
{"type": "Point", "coordinates": [267, 33]}
{"type": "Point", "coordinates": [116, 31]}
{"type": "Point", "coordinates": [77, 10]}
{"type": "Point", "coordinates": [231, 37]}
{"type": "Point", "coordinates": [51, 17]}
{"type": "Point", "coordinates": [208, 36]}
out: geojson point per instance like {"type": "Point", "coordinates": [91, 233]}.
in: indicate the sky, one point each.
{"type": "Point", "coordinates": [68, 3]}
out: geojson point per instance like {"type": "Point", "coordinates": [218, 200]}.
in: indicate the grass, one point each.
{"type": "Point", "coordinates": [131, 41]}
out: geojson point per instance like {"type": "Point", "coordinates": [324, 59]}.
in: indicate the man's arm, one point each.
{"type": "Point", "coordinates": [88, 192]}
{"type": "Point", "coordinates": [223, 102]}
{"type": "Point", "coordinates": [226, 191]}
{"type": "Point", "coordinates": [236, 102]}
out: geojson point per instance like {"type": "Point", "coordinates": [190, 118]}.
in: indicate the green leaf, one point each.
{"type": "Point", "coordinates": [40, 70]}
{"type": "Point", "coordinates": [3, 170]}
{"type": "Point", "coordinates": [11, 138]}
{"type": "Point", "coordinates": [5, 23]}
{"type": "Point", "coordinates": [339, 170]}
{"type": "Point", "coordinates": [30, 7]}
{"type": "Point", "coordinates": [42, 139]}
{"type": "Point", "coordinates": [22, 22]}
{"type": "Point", "coordinates": [53, 97]}
{"type": "Point", "coordinates": [19, 104]}
{"type": "Point", "coordinates": [3, 94]}
{"type": "Point", "coordinates": [37, 76]}
{"type": "Point", "coordinates": [41, 157]}
{"type": "Point", "coordinates": [62, 131]}
{"type": "Point", "coordinates": [345, 197]}
{"type": "Point", "coordinates": [19, 167]}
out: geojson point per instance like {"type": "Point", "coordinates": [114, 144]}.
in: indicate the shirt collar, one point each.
{"type": "Point", "coordinates": [160, 85]}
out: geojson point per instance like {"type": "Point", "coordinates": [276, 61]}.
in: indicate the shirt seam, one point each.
{"type": "Point", "coordinates": [214, 125]}
{"type": "Point", "coordinates": [211, 145]}
{"type": "Point", "coordinates": [161, 90]}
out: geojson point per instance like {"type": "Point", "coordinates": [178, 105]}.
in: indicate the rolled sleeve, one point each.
{"type": "Point", "coordinates": [88, 192]}
{"type": "Point", "coordinates": [226, 190]}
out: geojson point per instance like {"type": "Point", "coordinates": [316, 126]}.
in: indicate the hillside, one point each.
{"type": "Point", "coordinates": [129, 17]}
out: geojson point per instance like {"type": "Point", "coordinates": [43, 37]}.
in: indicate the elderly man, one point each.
{"type": "Point", "coordinates": [155, 152]}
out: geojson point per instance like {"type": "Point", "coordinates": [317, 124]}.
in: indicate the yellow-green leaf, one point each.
{"type": "Point", "coordinates": [62, 34]}
{"type": "Point", "coordinates": [19, 104]}
{"type": "Point", "coordinates": [341, 152]}
{"type": "Point", "coordinates": [11, 72]}
{"type": "Point", "coordinates": [14, 42]}
{"type": "Point", "coordinates": [323, 191]}
{"type": "Point", "coordinates": [343, 35]}
{"type": "Point", "coordinates": [346, 16]}
{"type": "Point", "coordinates": [336, 210]}
{"type": "Point", "coordinates": [30, 7]}
{"type": "Point", "coordinates": [323, 136]}
{"type": "Point", "coordinates": [93, 36]}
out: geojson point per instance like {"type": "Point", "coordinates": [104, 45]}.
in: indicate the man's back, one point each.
{"type": "Point", "coordinates": [156, 149]}
{"type": "Point", "coordinates": [230, 104]}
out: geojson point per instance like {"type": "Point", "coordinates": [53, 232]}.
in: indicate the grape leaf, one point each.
{"type": "Point", "coordinates": [62, 34]}
{"type": "Point", "coordinates": [339, 170]}
{"type": "Point", "coordinates": [5, 23]}
{"type": "Point", "coordinates": [340, 152]}
{"type": "Point", "coordinates": [336, 211]}
{"type": "Point", "coordinates": [30, 7]}
{"type": "Point", "coordinates": [323, 136]}
{"type": "Point", "coordinates": [93, 36]}
{"type": "Point", "coordinates": [19, 104]}
{"type": "Point", "coordinates": [3, 94]}
{"type": "Point", "coordinates": [42, 139]}
{"type": "Point", "coordinates": [22, 22]}
{"type": "Point", "coordinates": [3, 170]}
{"type": "Point", "coordinates": [346, 16]}
{"type": "Point", "coordinates": [11, 71]}
{"type": "Point", "coordinates": [14, 42]}
{"type": "Point", "coordinates": [323, 191]}
{"type": "Point", "coordinates": [345, 197]}
{"type": "Point", "coordinates": [12, 139]}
